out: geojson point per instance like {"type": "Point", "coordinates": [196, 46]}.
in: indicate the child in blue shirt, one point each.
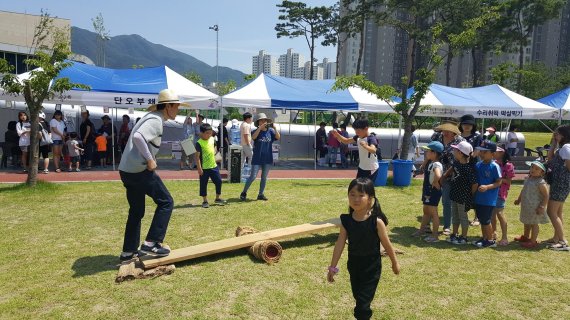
{"type": "Point", "coordinates": [488, 180]}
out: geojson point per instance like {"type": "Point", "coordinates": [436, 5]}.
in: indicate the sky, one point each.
{"type": "Point", "coordinates": [245, 26]}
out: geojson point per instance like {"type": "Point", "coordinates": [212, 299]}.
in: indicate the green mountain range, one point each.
{"type": "Point", "coordinates": [124, 51]}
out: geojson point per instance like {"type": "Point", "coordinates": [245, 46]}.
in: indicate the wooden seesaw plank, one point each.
{"type": "Point", "coordinates": [225, 245]}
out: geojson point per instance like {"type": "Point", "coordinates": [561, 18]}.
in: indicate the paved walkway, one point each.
{"type": "Point", "coordinates": [168, 170]}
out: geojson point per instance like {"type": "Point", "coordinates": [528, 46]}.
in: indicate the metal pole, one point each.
{"type": "Point", "coordinates": [221, 143]}
{"type": "Point", "coordinates": [113, 136]}
{"type": "Point", "coordinates": [315, 138]}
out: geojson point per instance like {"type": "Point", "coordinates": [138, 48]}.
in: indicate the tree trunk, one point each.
{"type": "Point", "coordinates": [448, 67]}
{"type": "Point", "coordinates": [338, 50]}
{"type": "Point", "coordinates": [35, 109]}
{"type": "Point", "coordinates": [407, 121]}
{"type": "Point", "coordinates": [475, 68]}
{"type": "Point", "coordinates": [312, 58]}
{"type": "Point", "coordinates": [521, 65]}
{"type": "Point", "coordinates": [34, 149]}
{"type": "Point", "coordinates": [361, 47]}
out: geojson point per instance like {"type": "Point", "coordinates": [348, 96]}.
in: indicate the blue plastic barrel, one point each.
{"type": "Point", "coordinates": [382, 176]}
{"type": "Point", "coordinates": [402, 172]}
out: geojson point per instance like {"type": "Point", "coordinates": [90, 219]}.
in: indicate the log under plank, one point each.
{"type": "Point", "coordinates": [245, 241]}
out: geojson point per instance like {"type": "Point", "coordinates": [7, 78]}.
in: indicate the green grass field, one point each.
{"type": "Point", "coordinates": [537, 139]}
{"type": "Point", "coordinates": [62, 243]}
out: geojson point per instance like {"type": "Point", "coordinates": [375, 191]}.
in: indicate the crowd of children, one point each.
{"type": "Point", "coordinates": [480, 178]}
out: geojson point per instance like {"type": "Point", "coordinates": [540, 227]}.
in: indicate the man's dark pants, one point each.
{"type": "Point", "coordinates": [138, 186]}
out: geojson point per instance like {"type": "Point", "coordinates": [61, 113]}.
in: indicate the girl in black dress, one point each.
{"type": "Point", "coordinates": [365, 228]}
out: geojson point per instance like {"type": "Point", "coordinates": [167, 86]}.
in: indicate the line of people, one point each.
{"type": "Point", "coordinates": [464, 171]}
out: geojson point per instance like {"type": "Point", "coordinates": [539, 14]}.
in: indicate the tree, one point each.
{"type": "Point", "coordinates": [102, 36]}
{"type": "Point", "coordinates": [193, 76]}
{"type": "Point", "coordinates": [308, 22]}
{"type": "Point", "coordinates": [333, 35]}
{"type": "Point", "coordinates": [353, 22]}
{"type": "Point", "coordinates": [49, 59]}
{"type": "Point", "coordinates": [424, 32]}
{"type": "Point", "coordinates": [249, 77]}
{"type": "Point", "coordinates": [520, 18]}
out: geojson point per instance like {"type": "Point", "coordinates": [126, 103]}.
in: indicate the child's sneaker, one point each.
{"type": "Point", "coordinates": [243, 196]}
{"type": "Point", "coordinates": [205, 204]}
{"type": "Point", "coordinates": [77, 170]}
{"type": "Point", "coordinates": [461, 240]}
{"type": "Point", "coordinates": [221, 202]}
{"type": "Point", "coordinates": [452, 239]}
{"type": "Point", "coordinates": [157, 250]}
{"type": "Point", "coordinates": [478, 242]}
{"type": "Point", "coordinates": [487, 244]}
{"type": "Point", "coordinates": [262, 197]}
{"type": "Point", "coordinates": [560, 246]}
{"type": "Point", "coordinates": [529, 244]}
{"type": "Point", "coordinates": [521, 238]}
{"type": "Point", "coordinates": [431, 239]}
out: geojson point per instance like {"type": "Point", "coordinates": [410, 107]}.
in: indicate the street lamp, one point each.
{"type": "Point", "coordinates": [221, 142]}
{"type": "Point", "coordinates": [216, 28]}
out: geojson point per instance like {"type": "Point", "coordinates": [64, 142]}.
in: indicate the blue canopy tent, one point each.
{"type": "Point", "coordinates": [492, 101]}
{"type": "Point", "coordinates": [561, 101]}
{"type": "Point", "coordinates": [269, 91]}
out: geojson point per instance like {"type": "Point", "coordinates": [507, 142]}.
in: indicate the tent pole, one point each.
{"type": "Point", "coordinates": [315, 138]}
{"type": "Point", "coordinates": [221, 143]}
{"type": "Point", "coordinates": [113, 135]}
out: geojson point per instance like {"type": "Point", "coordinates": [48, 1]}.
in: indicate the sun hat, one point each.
{"type": "Point", "coordinates": [261, 116]}
{"type": "Point", "coordinates": [167, 96]}
{"type": "Point", "coordinates": [448, 127]}
{"type": "Point", "coordinates": [536, 163]}
{"type": "Point", "coordinates": [487, 146]}
{"type": "Point", "coordinates": [491, 129]}
{"type": "Point", "coordinates": [434, 146]}
{"type": "Point", "coordinates": [467, 119]}
{"type": "Point", "coordinates": [465, 147]}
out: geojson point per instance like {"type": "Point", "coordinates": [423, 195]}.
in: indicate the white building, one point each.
{"type": "Point", "coordinates": [289, 64]}
{"type": "Point", "coordinates": [264, 63]}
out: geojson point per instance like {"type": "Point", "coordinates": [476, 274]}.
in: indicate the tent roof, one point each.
{"type": "Point", "coordinates": [124, 88]}
{"type": "Point", "coordinates": [269, 91]}
{"type": "Point", "coordinates": [492, 101]}
{"type": "Point", "coordinates": [558, 100]}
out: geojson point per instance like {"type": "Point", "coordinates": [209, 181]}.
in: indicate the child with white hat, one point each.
{"type": "Point", "coordinates": [533, 199]}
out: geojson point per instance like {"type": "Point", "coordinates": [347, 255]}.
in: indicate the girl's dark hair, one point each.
{"type": "Point", "coordinates": [506, 158]}
{"type": "Point", "coordinates": [12, 125]}
{"type": "Point", "coordinates": [366, 186]}
{"type": "Point", "coordinates": [23, 113]}
{"type": "Point", "coordinates": [57, 113]}
{"type": "Point", "coordinates": [564, 131]}
{"type": "Point", "coordinates": [473, 129]}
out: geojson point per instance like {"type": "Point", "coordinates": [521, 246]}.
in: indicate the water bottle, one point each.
{"type": "Point", "coordinates": [245, 172]}
{"type": "Point", "coordinates": [235, 135]}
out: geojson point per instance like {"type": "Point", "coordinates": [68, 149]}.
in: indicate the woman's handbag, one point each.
{"type": "Point", "coordinates": [45, 138]}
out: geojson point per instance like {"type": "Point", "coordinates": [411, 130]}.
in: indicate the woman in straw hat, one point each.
{"type": "Point", "coordinates": [449, 136]}
{"type": "Point", "coordinates": [263, 138]}
{"type": "Point", "coordinates": [137, 170]}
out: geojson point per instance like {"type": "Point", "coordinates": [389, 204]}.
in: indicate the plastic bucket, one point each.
{"type": "Point", "coordinates": [402, 172]}
{"type": "Point", "coordinates": [382, 176]}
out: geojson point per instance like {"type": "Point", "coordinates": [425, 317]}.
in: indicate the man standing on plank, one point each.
{"type": "Point", "coordinates": [137, 170]}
